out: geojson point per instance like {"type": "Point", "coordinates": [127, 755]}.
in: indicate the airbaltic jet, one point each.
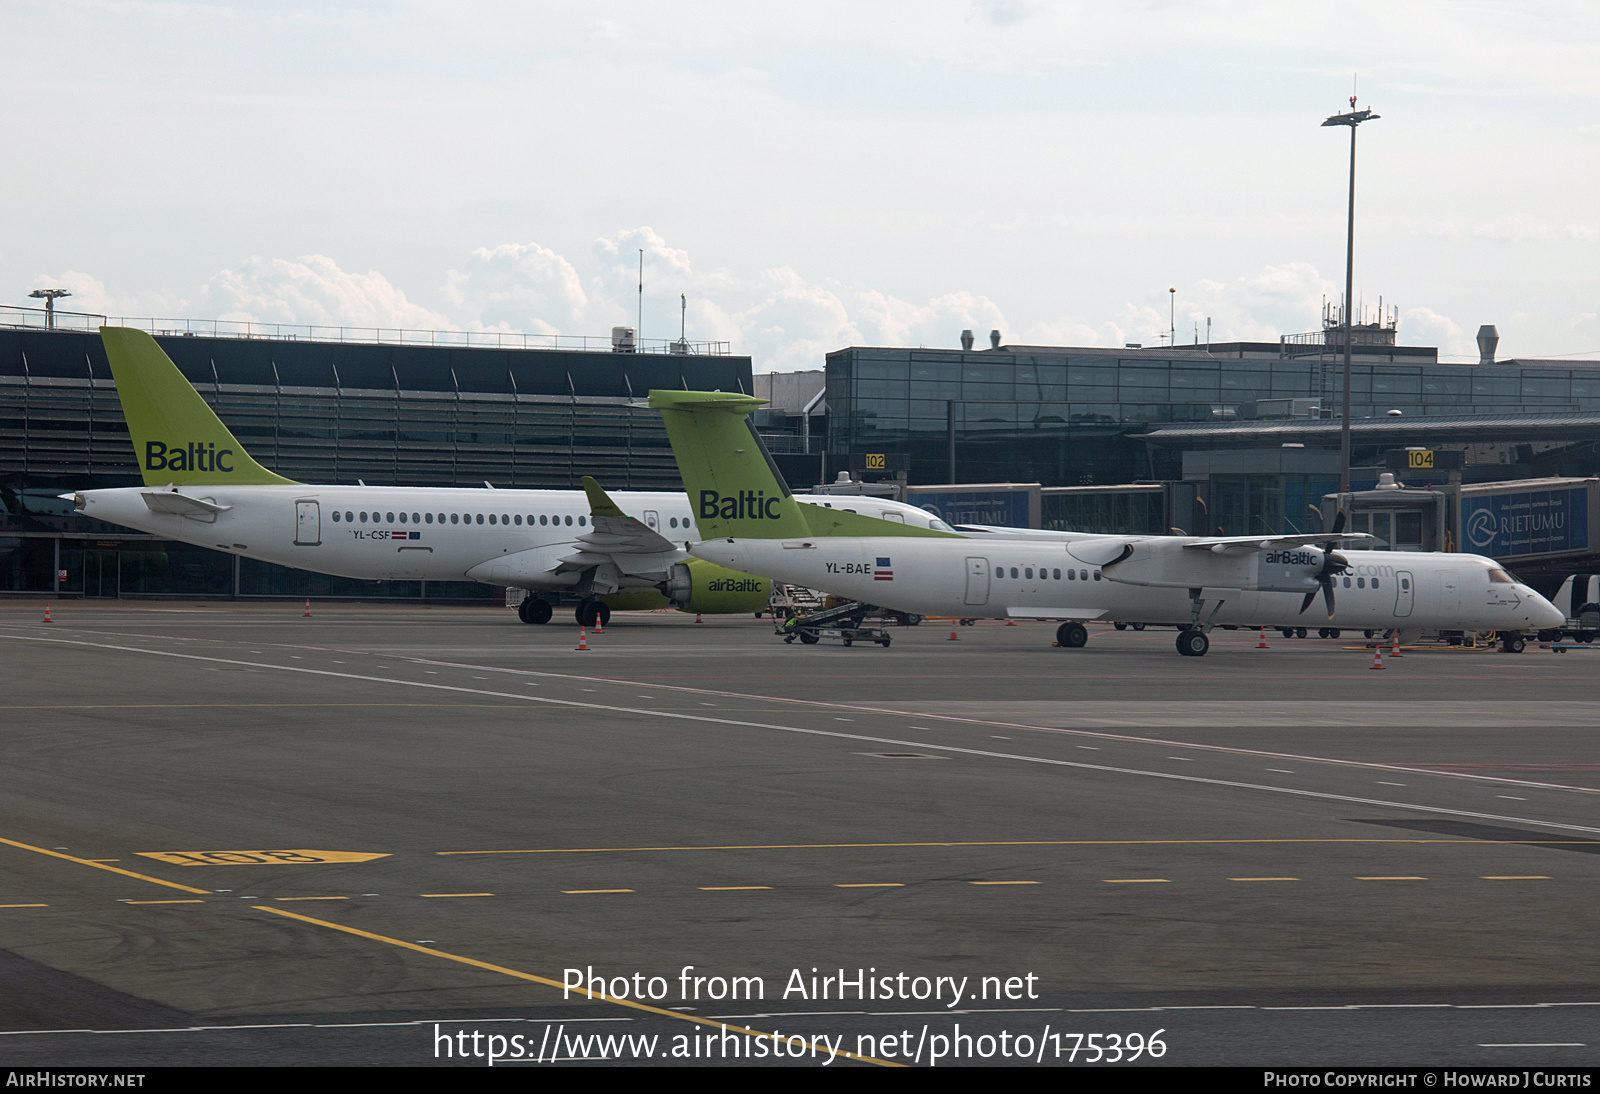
{"type": "Point", "coordinates": [1195, 581]}
{"type": "Point", "coordinates": [202, 487]}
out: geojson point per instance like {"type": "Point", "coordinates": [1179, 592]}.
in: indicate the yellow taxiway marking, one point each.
{"type": "Point", "coordinates": [872, 885]}
{"type": "Point", "coordinates": [581, 892]}
{"type": "Point", "coordinates": [1002, 883]}
{"type": "Point", "coordinates": [103, 866]}
{"type": "Point", "coordinates": [1397, 877]}
{"type": "Point", "coordinates": [1138, 881]}
{"type": "Point", "coordinates": [260, 858]}
{"type": "Point", "coordinates": [1005, 843]}
{"type": "Point", "coordinates": [311, 898]}
{"type": "Point", "coordinates": [24, 905]}
{"type": "Point", "coordinates": [730, 888]}
{"type": "Point", "coordinates": [1263, 879]}
{"type": "Point", "coordinates": [1516, 877]}
{"type": "Point", "coordinates": [163, 902]}
{"type": "Point", "coordinates": [435, 895]}
{"type": "Point", "coordinates": [532, 978]}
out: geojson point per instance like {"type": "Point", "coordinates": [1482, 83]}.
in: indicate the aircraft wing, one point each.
{"type": "Point", "coordinates": [625, 542]}
{"type": "Point", "coordinates": [1238, 545]}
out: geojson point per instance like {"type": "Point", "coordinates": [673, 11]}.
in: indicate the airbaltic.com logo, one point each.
{"type": "Point", "coordinates": [195, 456]}
{"type": "Point", "coordinates": [745, 505]}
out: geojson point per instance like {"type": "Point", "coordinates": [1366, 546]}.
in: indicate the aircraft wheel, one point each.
{"type": "Point", "coordinates": [885, 642]}
{"type": "Point", "coordinates": [1299, 632]}
{"type": "Point", "coordinates": [524, 609]}
{"type": "Point", "coordinates": [535, 609]}
{"type": "Point", "coordinates": [809, 639]}
{"type": "Point", "coordinates": [1512, 642]}
{"type": "Point", "coordinates": [1193, 643]}
{"type": "Point", "coordinates": [586, 612]}
{"type": "Point", "coordinates": [1138, 626]}
{"type": "Point", "coordinates": [847, 642]}
{"type": "Point", "coordinates": [912, 620]}
{"type": "Point", "coordinates": [1120, 626]}
{"type": "Point", "coordinates": [1322, 632]}
{"type": "Point", "coordinates": [1333, 632]}
{"type": "Point", "coordinates": [1074, 636]}
{"type": "Point", "coordinates": [1366, 634]}
{"type": "Point", "coordinates": [1287, 632]}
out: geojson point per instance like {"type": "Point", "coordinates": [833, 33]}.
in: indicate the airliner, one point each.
{"type": "Point", "coordinates": [202, 487]}
{"type": "Point", "coordinates": [1197, 582]}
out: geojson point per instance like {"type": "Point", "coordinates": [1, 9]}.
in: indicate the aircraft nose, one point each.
{"type": "Point", "coordinates": [1545, 615]}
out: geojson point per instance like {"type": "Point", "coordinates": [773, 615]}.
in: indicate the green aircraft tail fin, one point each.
{"type": "Point", "coordinates": [735, 486]}
{"type": "Point", "coordinates": [176, 437]}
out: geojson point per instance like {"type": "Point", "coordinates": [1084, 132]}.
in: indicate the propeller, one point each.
{"type": "Point", "coordinates": [1333, 564]}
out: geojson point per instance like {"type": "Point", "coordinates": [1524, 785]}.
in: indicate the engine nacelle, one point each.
{"type": "Point", "coordinates": [1172, 565]}
{"type": "Point", "coordinates": [696, 585]}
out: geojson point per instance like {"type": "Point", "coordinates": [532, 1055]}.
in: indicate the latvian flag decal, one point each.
{"type": "Point", "coordinates": [883, 573]}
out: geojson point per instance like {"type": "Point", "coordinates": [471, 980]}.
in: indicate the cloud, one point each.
{"type": "Point", "coordinates": [314, 290]}
{"type": "Point", "coordinates": [89, 294]}
{"type": "Point", "coordinates": [518, 286]}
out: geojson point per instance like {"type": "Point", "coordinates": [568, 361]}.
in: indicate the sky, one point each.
{"type": "Point", "coordinates": [815, 176]}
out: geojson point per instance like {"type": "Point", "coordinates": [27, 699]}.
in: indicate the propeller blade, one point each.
{"type": "Point", "coordinates": [1338, 522]}
{"type": "Point", "coordinates": [1327, 594]}
{"type": "Point", "coordinates": [1306, 603]}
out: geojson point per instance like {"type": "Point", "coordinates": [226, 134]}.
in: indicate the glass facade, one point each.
{"type": "Point", "coordinates": [1068, 417]}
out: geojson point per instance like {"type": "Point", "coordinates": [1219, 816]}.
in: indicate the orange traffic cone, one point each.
{"type": "Point", "coordinates": [1394, 649]}
{"type": "Point", "coordinates": [1262, 643]}
{"type": "Point", "coordinates": [953, 636]}
{"type": "Point", "coordinates": [1377, 656]}
{"type": "Point", "coordinates": [599, 625]}
{"type": "Point", "coordinates": [1011, 622]}
{"type": "Point", "coordinates": [308, 609]}
{"type": "Point", "coordinates": [697, 618]}
{"type": "Point", "coordinates": [47, 613]}
{"type": "Point", "coordinates": [583, 638]}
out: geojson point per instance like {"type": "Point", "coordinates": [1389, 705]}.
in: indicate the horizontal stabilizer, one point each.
{"type": "Point", "coordinates": [170, 501]}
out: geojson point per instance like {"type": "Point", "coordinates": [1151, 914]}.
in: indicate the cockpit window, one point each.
{"type": "Point", "coordinates": [938, 525]}
{"type": "Point", "coordinates": [1498, 576]}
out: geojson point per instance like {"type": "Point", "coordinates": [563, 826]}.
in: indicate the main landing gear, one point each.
{"type": "Point", "coordinates": [535, 609]}
{"type": "Point", "coordinates": [1193, 643]}
{"type": "Point", "coordinates": [1072, 635]}
{"type": "Point", "coordinates": [591, 612]}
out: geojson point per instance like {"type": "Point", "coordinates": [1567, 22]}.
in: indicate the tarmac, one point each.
{"type": "Point", "coordinates": [230, 834]}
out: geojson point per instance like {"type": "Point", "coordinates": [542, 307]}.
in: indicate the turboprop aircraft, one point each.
{"type": "Point", "coordinates": [202, 487]}
{"type": "Point", "coordinates": [1197, 582]}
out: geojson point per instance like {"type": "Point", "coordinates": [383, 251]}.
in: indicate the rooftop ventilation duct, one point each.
{"type": "Point", "coordinates": [1488, 340]}
{"type": "Point", "coordinates": [994, 339]}
{"type": "Point", "coordinates": [966, 340]}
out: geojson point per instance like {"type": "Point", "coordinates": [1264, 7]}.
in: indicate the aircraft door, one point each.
{"type": "Point", "coordinates": [652, 520]}
{"type": "Point", "coordinates": [307, 524]}
{"type": "Point", "coordinates": [977, 581]}
{"type": "Point", "coordinates": [1405, 593]}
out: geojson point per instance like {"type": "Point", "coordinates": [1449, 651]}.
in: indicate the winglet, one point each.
{"type": "Point", "coordinates": [600, 503]}
{"type": "Point", "coordinates": [177, 439]}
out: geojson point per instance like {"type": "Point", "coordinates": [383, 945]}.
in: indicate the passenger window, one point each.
{"type": "Point", "coordinates": [1374, 583]}
{"type": "Point", "coordinates": [336, 516]}
{"type": "Point", "coordinates": [1056, 574]}
{"type": "Point", "coordinates": [1071, 575]}
{"type": "Point", "coordinates": [402, 518]}
{"type": "Point", "coordinates": [1029, 573]}
{"type": "Point", "coordinates": [505, 519]}
{"type": "Point", "coordinates": [348, 515]}
{"type": "Point", "coordinates": [1013, 571]}
{"type": "Point", "coordinates": [1097, 575]}
{"type": "Point", "coordinates": [430, 518]}
{"type": "Point", "coordinates": [416, 518]}
{"type": "Point", "coordinates": [1361, 583]}
{"type": "Point", "coordinates": [1347, 583]}
{"type": "Point", "coordinates": [454, 518]}
{"type": "Point", "coordinates": [517, 519]}
{"type": "Point", "coordinates": [1083, 575]}
{"type": "Point", "coordinates": [363, 516]}
{"type": "Point", "coordinates": [543, 519]}
{"type": "Point", "coordinates": [582, 521]}
{"type": "Point", "coordinates": [999, 571]}
{"type": "Point", "coordinates": [569, 522]}
{"type": "Point", "coordinates": [388, 518]}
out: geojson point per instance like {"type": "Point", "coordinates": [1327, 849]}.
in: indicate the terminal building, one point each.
{"type": "Point", "coordinates": [320, 405]}
{"type": "Point", "coordinates": [1231, 438]}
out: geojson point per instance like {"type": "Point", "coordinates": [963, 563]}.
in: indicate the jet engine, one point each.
{"type": "Point", "coordinates": [696, 585]}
